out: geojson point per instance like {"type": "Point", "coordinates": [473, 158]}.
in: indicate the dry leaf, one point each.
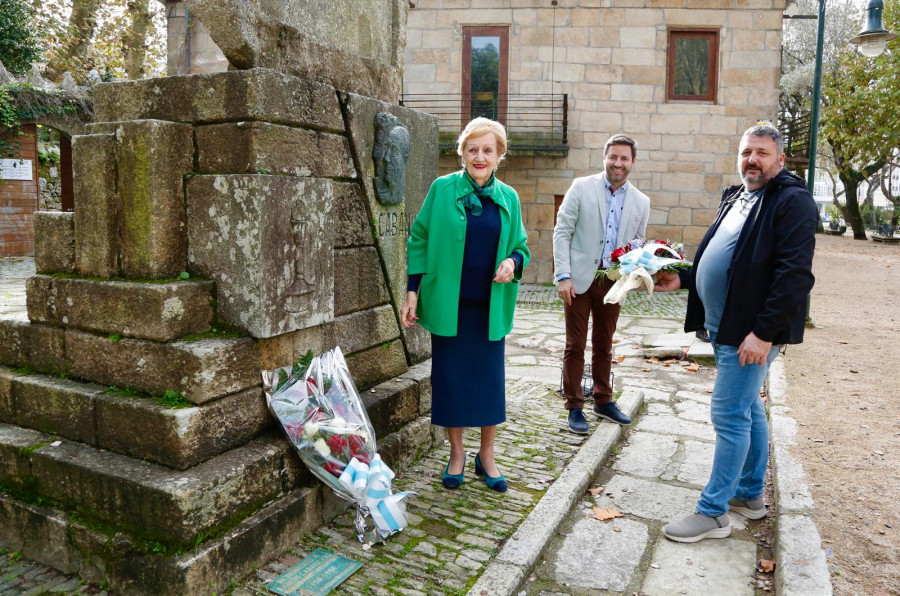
{"type": "Point", "coordinates": [606, 514]}
{"type": "Point", "coordinates": [653, 360]}
{"type": "Point", "coordinates": [692, 367]}
{"type": "Point", "coordinates": [684, 353]}
{"type": "Point", "coordinates": [708, 390]}
{"type": "Point", "coordinates": [615, 341]}
{"type": "Point", "coordinates": [767, 565]}
{"type": "Point", "coordinates": [597, 490]}
{"type": "Point", "coordinates": [620, 358]}
{"type": "Point", "coordinates": [645, 370]}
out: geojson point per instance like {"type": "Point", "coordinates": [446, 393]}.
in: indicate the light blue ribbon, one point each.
{"type": "Point", "coordinates": [645, 257]}
{"type": "Point", "coordinates": [370, 486]}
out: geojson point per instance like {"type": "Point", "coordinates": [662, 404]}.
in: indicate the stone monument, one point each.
{"type": "Point", "coordinates": [223, 224]}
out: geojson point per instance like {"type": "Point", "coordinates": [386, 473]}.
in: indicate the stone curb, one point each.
{"type": "Point", "coordinates": [801, 568]}
{"type": "Point", "coordinates": [520, 554]}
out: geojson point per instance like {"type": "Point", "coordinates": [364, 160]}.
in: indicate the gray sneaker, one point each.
{"type": "Point", "coordinates": [696, 527]}
{"type": "Point", "coordinates": [752, 509]}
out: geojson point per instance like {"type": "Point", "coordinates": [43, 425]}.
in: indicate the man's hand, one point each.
{"type": "Point", "coordinates": [667, 281]}
{"type": "Point", "coordinates": [566, 291]}
{"type": "Point", "coordinates": [505, 271]}
{"type": "Point", "coordinates": [408, 316]}
{"type": "Point", "coordinates": [754, 350]}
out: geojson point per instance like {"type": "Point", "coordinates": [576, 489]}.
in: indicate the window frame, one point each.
{"type": "Point", "coordinates": [469, 31]}
{"type": "Point", "coordinates": [713, 35]}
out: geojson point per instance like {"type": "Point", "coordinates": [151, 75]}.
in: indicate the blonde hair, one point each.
{"type": "Point", "coordinates": [478, 127]}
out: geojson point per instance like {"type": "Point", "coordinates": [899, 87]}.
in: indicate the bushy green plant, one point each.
{"type": "Point", "coordinates": [19, 46]}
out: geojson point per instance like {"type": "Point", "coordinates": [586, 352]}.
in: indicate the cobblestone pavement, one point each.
{"type": "Point", "coordinates": [539, 538]}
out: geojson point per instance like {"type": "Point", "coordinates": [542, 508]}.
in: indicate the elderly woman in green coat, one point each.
{"type": "Point", "coordinates": [466, 253]}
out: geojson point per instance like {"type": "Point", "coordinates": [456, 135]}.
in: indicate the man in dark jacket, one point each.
{"type": "Point", "coordinates": [747, 288]}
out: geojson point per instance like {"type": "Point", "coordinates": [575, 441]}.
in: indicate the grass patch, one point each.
{"type": "Point", "coordinates": [173, 399]}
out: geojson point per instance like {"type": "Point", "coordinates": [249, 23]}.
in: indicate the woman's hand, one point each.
{"type": "Point", "coordinates": [408, 316]}
{"type": "Point", "coordinates": [505, 271]}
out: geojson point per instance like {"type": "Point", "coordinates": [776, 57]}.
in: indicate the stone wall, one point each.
{"type": "Point", "coordinates": [50, 187]}
{"type": "Point", "coordinates": [223, 224]}
{"type": "Point", "coordinates": [609, 56]}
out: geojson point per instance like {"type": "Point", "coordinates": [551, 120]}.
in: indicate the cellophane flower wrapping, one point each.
{"type": "Point", "coordinates": [638, 263]}
{"type": "Point", "coordinates": [322, 415]}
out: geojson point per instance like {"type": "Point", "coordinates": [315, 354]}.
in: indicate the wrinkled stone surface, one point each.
{"type": "Point", "coordinates": [267, 242]}
{"type": "Point", "coordinates": [358, 280]}
{"type": "Point", "coordinates": [6, 400]}
{"type": "Point", "coordinates": [352, 227]}
{"type": "Point", "coordinates": [57, 406]}
{"type": "Point", "coordinates": [355, 45]}
{"type": "Point", "coordinates": [159, 502]}
{"type": "Point", "coordinates": [377, 364]}
{"type": "Point", "coordinates": [54, 242]}
{"type": "Point", "coordinates": [97, 216]}
{"type": "Point", "coordinates": [392, 222]}
{"type": "Point", "coordinates": [179, 438]}
{"type": "Point", "coordinates": [153, 157]}
{"type": "Point", "coordinates": [40, 347]}
{"type": "Point", "coordinates": [161, 312]}
{"type": "Point", "coordinates": [366, 328]}
{"type": "Point", "coordinates": [391, 405]}
{"type": "Point", "coordinates": [233, 96]}
{"type": "Point", "coordinates": [421, 374]}
{"type": "Point", "coordinates": [202, 370]}
{"type": "Point", "coordinates": [261, 147]}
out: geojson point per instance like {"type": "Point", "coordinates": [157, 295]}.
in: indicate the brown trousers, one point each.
{"type": "Point", "coordinates": [605, 317]}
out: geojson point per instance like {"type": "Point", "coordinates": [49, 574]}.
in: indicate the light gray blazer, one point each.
{"type": "Point", "coordinates": [581, 224]}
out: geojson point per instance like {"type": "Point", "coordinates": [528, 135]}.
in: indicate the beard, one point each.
{"type": "Point", "coordinates": [757, 177]}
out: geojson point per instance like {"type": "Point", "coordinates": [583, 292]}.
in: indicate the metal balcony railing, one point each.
{"type": "Point", "coordinates": [535, 123]}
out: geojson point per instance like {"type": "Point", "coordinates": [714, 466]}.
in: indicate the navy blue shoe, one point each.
{"type": "Point", "coordinates": [497, 483]}
{"type": "Point", "coordinates": [577, 423]}
{"type": "Point", "coordinates": [453, 480]}
{"type": "Point", "coordinates": [612, 413]}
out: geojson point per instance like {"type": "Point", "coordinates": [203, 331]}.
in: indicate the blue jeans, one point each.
{"type": "Point", "coordinates": [742, 431]}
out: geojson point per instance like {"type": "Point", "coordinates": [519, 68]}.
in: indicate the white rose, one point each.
{"type": "Point", "coordinates": [322, 447]}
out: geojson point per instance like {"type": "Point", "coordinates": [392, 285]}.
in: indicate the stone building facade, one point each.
{"type": "Point", "coordinates": [611, 59]}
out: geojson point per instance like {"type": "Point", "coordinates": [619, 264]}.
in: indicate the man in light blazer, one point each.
{"type": "Point", "coordinates": [598, 214]}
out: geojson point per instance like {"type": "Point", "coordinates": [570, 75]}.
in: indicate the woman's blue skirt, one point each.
{"type": "Point", "coordinates": [467, 373]}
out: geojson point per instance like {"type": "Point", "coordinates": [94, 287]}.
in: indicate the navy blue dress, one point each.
{"type": "Point", "coordinates": [467, 370]}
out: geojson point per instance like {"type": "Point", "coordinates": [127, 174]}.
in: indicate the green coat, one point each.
{"type": "Point", "coordinates": [436, 243]}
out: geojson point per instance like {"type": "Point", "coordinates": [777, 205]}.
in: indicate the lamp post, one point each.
{"type": "Point", "coordinates": [871, 40]}
{"type": "Point", "coordinates": [817, 89]}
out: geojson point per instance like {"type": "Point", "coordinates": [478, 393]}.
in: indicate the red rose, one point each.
{"type": "Point", "coordinates": [617, 254]}
{"type": "Point", "coordinates": [356, 444]}
{"type": "Point", "coordinates": [337, 443]}
{"type": "Point", "coordinates": [333, 469]}
{"type": "Point", "coordinates": [294, 431]}
{"type": "Point", "coordinates": [362, 458]}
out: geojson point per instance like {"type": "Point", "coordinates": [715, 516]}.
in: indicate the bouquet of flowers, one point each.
{"type": "Point", "coordinates": [320, 411]}
{"type": "Point", "coordinates": [636, 264]}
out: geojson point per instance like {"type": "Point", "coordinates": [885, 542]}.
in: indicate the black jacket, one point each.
{"type": "Point", "coordinates": [771, 269]}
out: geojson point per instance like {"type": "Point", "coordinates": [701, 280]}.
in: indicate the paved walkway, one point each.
{"type": "Point", "coordinates": [542, 536]}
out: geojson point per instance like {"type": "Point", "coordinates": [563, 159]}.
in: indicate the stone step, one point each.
{"type": "Point", "coordinates": [155, 311]}
{"type": "Point", "coordinates": [132, 424]}
{"type": "Point", "coordinates": [139, 567]}
{"type": "Point", "coordinates": [174, 508]}
{"type": "Point", "coordinates": [202, 370]}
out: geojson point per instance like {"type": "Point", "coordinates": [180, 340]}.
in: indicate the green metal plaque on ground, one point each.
{"type": "Point", "coordinates": [316, 575]}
